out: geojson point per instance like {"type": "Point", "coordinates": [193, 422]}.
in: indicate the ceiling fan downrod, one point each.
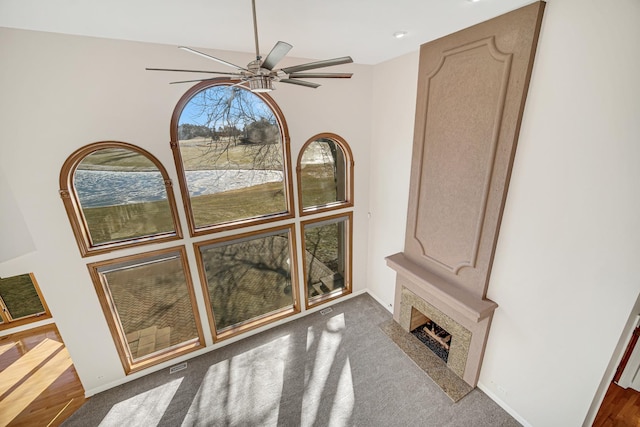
{"type": "Point", "coordinates": [255, 29]}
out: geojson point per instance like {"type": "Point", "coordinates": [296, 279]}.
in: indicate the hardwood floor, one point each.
{"type": "Point", "coordinates": [620, 408]}
{"type": "Point", "coordinates": [38, 384]}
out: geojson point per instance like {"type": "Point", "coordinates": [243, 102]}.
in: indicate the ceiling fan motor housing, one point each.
{"type": "Point", "coordinates": [260, 84]}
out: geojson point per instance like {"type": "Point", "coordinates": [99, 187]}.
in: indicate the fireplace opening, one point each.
{"type": "Point", "coordinates": [436, 338]}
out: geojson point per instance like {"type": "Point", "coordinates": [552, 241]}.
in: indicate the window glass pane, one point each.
{"type": "Point", "coordinates": [122, 195]}
{"type": "Point", "coordinates": [248, 278]}
{"type": "Point", "coordinates": [323, 173]}
{"type": "Point", "coordinates": [232, 155]}
{"type": "Point", "coordinates": [152, 300]}
{"type": "Point", "coordinates": [20, 296]}
{"type": "Point", "coordinates": [325, 245]}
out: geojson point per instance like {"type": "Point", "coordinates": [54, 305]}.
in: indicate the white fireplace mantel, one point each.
{"type": "Point", "coordinates": [418, 288]}
{"type": "Point", "coordinates": [459, 299]}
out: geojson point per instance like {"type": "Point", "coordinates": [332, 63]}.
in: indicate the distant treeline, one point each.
{"type": "Point", "coordinates": [259, 131]}
{"type": "Point", "coordinates": [189, 131]}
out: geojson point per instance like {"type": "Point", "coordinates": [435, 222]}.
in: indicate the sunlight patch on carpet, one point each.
{"type": "Point", "coordinates": [143, 409]}
{"type": "Point", "coordinates": [232, 391]}
{"type": "Point", "coordinates": [344, 399]}
{"type": "Point", "coordinates": [328, 381]}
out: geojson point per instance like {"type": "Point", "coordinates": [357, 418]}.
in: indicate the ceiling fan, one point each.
{"type": "Point", "coordinates": [260, 74]}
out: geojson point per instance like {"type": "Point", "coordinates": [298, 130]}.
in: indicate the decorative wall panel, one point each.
{"type": "Point", "coordinates": [471, 91]}
{"type": "Point", "coordinates": [462, 138]}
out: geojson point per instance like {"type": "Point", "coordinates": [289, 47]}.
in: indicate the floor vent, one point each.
{"type": "Point", "coordinates": [326, 311]}
{"type": "Point", "coordinates": [178, 367]}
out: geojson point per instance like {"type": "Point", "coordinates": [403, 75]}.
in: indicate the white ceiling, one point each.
{"type": "Point", "coordinates": [319, 29]}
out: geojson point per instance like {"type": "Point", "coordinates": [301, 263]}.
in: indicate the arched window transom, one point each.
{"type": "Point", "coordinates": [325, 174]}
{"type": "Point", "coordinates": [231, 150]}
{"type": "Point", "coordinates": [117, 195]}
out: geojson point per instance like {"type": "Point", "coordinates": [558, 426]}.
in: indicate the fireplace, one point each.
{"type": "Point", "coordinates": [428, 332]}
{"type": "Point", "coordinates": [421, 297]}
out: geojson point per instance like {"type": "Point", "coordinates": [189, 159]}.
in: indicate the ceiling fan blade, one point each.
{"type": "Point", "coordinates": [193, 71]}
{"type": "Point", "coordinates": [319, 64]}
{"type": "Point", "coordinates": [300, 82]}
{"type": "Point", "coordinates": [320, 75]}
{"type": "Point", "coordinates": [196, 80]}
{"type": "Point", "coordinates": [277, 53]}
{"type": "Point", "coordinates": [221, 61]}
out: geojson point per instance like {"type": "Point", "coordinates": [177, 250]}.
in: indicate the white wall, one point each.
{"type": "Point", "coordinates": [62, 92]}
{"type": "Point", "coordinates": [13, 226]}
{"type": "Point", "coordinates": [394, 101]}
{"type": "Point", "coordinates": [565, 271]}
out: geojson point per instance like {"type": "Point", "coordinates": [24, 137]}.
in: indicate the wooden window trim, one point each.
{"type": "Point", "coordinates": [9, 324]}
{"type": "Point", "coordinates": [236, 228]}
{"type": "Point", "coordinates": [74, 209]}
{"type": "Point", "coordinates": [346, 290]}
{"type": "Point", "coordinates": [260, 320]}
{"type": "Point", "coordinates": [112, 318]}
{"type": "Point", "coordinates": [349, 165]}
{"type": "Point", "coordinates": [177, 157]}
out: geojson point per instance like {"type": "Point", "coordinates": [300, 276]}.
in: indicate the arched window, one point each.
{"type": "Point", "coordinates": [117, 195]}
{"type": "Point", "coordinates": [325, 174]}
{"type": "Point", "coordinates": [231, 149]}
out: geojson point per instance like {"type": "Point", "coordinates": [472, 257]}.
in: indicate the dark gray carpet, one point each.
{"type": "Point", "coordinates": [337, 369]}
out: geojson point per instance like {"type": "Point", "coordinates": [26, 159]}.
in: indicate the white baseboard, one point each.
{"type": "Point", "coordinates": [379, 301]}
{"type": "Point", "coordinates": [503, 405]}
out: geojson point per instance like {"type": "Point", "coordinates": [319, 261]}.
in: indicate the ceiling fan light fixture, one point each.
{"type": "Point", "coordinates": [260, 84]}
